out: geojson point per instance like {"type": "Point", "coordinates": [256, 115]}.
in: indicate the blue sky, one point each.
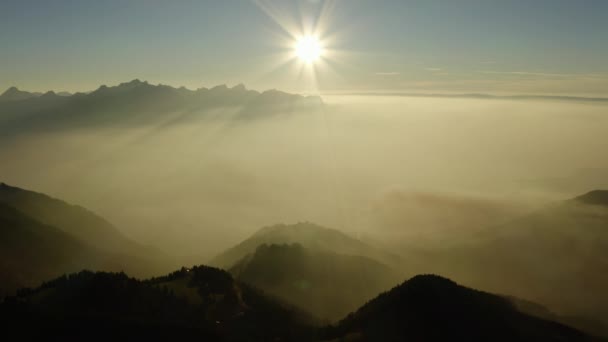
{"type": "Point", "coordinates": [541, 46]}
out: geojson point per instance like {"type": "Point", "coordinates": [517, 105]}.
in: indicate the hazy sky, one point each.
{"type": "Point", "coordinates": [517, 46]}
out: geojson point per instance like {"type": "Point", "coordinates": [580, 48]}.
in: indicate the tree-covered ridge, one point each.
{"type": "Point", "coordinates": [308, 235]}
{"type": "Point", "coordinates": [433, 308]}
{"type": "Point", "coordinates": [113, 305]}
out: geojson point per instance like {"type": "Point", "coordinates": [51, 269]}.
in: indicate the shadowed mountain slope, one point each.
{"type": "Point", "coordinates": [432, 308]}
{"type": "Point", "coordinates": [31, 251]}
{"type": "Point", "coordinates": [310, 236]}
{"type": "Point", "coordinates": [72, 219]}
{"type": "Point", "coordinates": [43, 237]}
{"type": "Point", "coordinates": [327, 284]}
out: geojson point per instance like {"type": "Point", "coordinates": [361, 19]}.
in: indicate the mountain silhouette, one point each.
{"type": "Point", "coordinates": [208, 304]}
{"type": "Point", "coordinates": [433, 308]}
{"type": "Point", "coordinates": [14, 94]}
{"type": "Point", "coordinates": [308, 235]}
{"type": "Point", "coordinates": [136, 103]}
{"type": "Point", "coordinates": [327, 284]}
{"type": "Point", "coordinates": [112, 306]}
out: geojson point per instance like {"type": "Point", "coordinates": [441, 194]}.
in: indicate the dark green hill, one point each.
{"type": "Point", "coordinates": [328, 285]}
{"type": "Point", "coordinates": [432, 308]}
{"type": "Point", "coordinates": [112, 306]}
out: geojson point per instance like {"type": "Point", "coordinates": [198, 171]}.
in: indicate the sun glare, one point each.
{"type": "Point", "coordinates": [308, 49]}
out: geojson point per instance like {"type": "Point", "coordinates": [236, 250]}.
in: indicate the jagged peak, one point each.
{"type": "Point", "coordinates": [49, 93]}
{"type": "Point", "coordinates": [12, 89]}
{"type": "Point", "coordinates": [134, 82]}
{"type": "Point", "coordinates": [219, 87]}
{"type": "Point", "coordinates": [239, 86]}
{"type": "Point", "coordinates": [14, 94]}
{"type": "Point", "coordinates": [124, 86]}
{"type": "Point", "coordinates": [238, 92]}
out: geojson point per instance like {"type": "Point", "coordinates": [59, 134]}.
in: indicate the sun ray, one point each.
{"type": "Point", "coordinates": [308, 41]}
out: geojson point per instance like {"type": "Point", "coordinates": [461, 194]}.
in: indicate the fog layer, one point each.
{"type": "Point", "coordinates": [194, 183]}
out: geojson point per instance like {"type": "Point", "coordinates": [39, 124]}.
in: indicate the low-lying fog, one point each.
{"type": "Point", "coordinates": [373, 165]}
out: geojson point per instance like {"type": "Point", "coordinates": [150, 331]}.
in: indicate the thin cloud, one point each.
{"type": "Point", "coordinates": [387, 73]}
{"type": "Point", "coordinates": [527, 73]}
{"type": "Point", "coordinates": [433, 69]}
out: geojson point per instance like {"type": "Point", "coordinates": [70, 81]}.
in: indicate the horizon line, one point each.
{"type": "Point", "coordinates": [397, 93]}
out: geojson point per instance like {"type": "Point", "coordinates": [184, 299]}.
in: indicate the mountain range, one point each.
{"type": "Point", "coordinates": [306, 275]}
{"type": "Point", "coordinates": [555, 256]}
{"type": "Point", "coordinates": [137, 102]}
{"type": "Point", "coordinates": [201, 302]}
{"type": "Point", "coordinates": [207, 303]}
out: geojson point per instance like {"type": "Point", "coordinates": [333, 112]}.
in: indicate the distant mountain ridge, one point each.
{"type": "Point", "coordinates": [310, 236]}
{"type": "Point", "coordinates": [139, 103]}
{"type": "Point", "coordinates": [14, 94]}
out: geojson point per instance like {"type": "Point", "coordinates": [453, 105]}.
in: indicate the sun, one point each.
{"type": "Point", "coordinates": [308, 49]}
